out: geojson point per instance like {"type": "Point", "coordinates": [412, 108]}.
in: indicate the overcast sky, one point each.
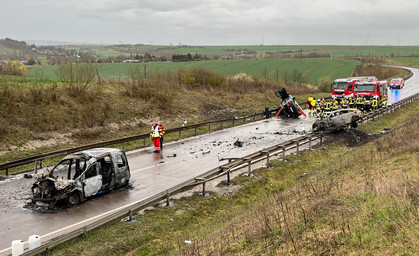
{"type": "Point", "coordinates": [213, 22]}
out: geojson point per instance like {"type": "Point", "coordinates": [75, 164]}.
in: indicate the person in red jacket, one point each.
{"type": "Point", "coordinates": [155, 136]}
{"type": "Point", "coordinates": [161, 131]}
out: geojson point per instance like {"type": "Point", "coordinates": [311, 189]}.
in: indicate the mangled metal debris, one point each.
{"type": "Point", "coordinates": [289, 107]}
{"type": "Point", "coordinates": [80, 176]}
{"type": "Point", "coordinates": [238, 143]}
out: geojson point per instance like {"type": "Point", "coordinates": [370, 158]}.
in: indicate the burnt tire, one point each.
{"type": "Point", "coordinates": [73, 199]}
{"type": "Point", "coordinates": [354, 124]}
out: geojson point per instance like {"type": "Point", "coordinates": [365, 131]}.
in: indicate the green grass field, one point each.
{"type": "Point", "coordinates": [413, 62]}
{"type": "Point", "coordinates": [276, 70]}
{"type": "Point", "coordinates": [261, 50]}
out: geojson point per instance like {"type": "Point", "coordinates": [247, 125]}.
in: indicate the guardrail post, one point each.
{"type": "Point", "coordinates": [298, 148]}
{"type": "Point", "coordinates": [222, 125]}
{"type": "Point", "coordinates": [180, 133]}
{"type": "Point", "coordinates": [144, 142]}
{"type": "Point", "coordinates": [249, 167]}
{"type": "Point", "coordinates": [209, 127]}
{"type": "Point", "coordinates": [123, 146]}
{"type": "Point", "coordinates": [195, 131]}
{"type": "Point", "coordinates": [309, 143]}
{"type": "Point", "coordinates": [167, 199]}
{"type": "Point", "coordinates": [233, 122]}
{"type": "Point", "coordinates": [203, 186]}
{"type": "Point", "coordinates": [228, 177]}
{"type": "Point", "coordinates": [130, 215]}
{"type": "Point", "coordinates": [203, 189]}
{"type": "Point", "coordinates": [283, 153]}
{"type": "Point", "coordinates": [7, 172]}
{"type": "Point", "coordinates": [267, 158]}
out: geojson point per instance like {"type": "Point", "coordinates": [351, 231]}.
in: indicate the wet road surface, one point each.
{"type": "Point", "coordinates": [151, 174]}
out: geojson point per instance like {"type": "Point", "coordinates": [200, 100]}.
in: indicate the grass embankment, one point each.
{"type": "Point", "coordinates": [336, 200]}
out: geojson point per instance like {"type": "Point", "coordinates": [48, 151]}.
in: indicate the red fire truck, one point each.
{"type": "Point", "coordinates": [344, 87]}
{"type": "Point", "coordinates": [372, 90]}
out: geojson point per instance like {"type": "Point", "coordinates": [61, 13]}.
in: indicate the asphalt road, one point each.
{"type": "Point", "coordinates": [151, 174]}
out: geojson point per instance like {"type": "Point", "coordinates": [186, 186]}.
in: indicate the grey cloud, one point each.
{"type": "Point", "coordinates": [213, 21]}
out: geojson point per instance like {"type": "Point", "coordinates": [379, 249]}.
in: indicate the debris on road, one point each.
{"type": "Point", "coordinates": [238, 143]}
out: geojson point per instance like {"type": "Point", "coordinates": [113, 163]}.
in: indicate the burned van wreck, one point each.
{"type": "Point", "coordinates": [81, 175]}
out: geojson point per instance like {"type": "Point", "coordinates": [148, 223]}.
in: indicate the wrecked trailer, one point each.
{"type": "Point", "coordinates": [289, 107]}
{"type": "Point", "coordinates": [80, 176]}
{"type": "Point", "coordinates": [338, 119]}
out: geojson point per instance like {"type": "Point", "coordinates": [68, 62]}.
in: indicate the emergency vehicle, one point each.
{"type": "Point", "coordinates": [372, 90]}
{"type": "Point", "coordinates": [344, 87]}
{"type": "Point", "coordinates": [396, 83]}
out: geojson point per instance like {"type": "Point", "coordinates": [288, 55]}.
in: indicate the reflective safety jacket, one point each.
{"type": "Point", "coordinates": [328, 106]}
{"type": "Point", "coordinates": [155, 133]}
{"type": "Point", "coordinates": [310, 101]}
{"type": "Point", "coordinates": [162, 131]}
{"type": "Point", "coordinates": [351, 101]}
{"type": "Point", "coordinates": [360, 101]}
{"type": "Point", "coordinates": [335, 105]}
{"type": "Point", "coordinates": [374, 103]}
{"type": "Point", "coordinates": [344, 103]}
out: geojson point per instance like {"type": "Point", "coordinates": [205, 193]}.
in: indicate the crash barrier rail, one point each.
{"type": "Point", "coordinates": [266, 154]}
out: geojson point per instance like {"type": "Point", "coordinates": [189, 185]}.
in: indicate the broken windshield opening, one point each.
{"type": "Point", "coordinates": [69, 168]}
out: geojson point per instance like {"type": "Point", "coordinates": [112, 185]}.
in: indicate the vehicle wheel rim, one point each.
{"type": "Point", "coordinates": [73, 200]}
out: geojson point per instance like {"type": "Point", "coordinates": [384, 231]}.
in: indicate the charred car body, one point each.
{"type": "Point", "coordinates": [81, 175]}
{"type": "Point", "coordinates": [289, 107]}
{"type": "Point", "coordinates": [338, 119]}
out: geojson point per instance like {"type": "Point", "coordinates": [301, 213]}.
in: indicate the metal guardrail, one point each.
{"type": "Point", "coordinates": [217, 172]}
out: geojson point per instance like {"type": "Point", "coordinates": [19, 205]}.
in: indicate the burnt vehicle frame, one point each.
{"type": "Point", "coordinates": [80, 176]}
{"type": "Point", "coordinates": [338, 119]}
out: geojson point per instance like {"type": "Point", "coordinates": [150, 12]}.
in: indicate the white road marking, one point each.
{"type": "Point", "coordinates": [148, 167]}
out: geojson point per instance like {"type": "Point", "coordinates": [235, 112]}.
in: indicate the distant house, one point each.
{"type": "Point", "coordinates": [130, 61]}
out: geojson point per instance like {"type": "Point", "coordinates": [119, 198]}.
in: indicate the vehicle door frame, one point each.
{"type": "Point", "coordinates": [93, 183]}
